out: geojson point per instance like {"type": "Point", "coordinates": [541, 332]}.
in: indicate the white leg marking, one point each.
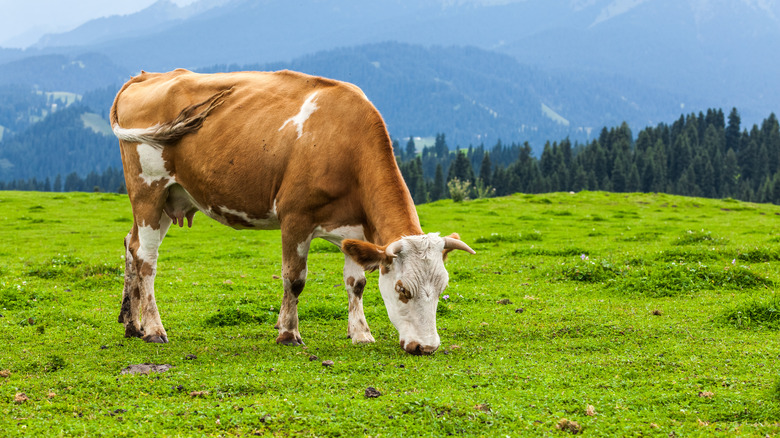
{"type": "Point", "coordinates": [150, 240]}
{"type": "Point", "coordinates": [354, 282]}
{"type": "Point", "coordinates": [303, 250]}
{"type": "Point", "coordinates": [308, 107]}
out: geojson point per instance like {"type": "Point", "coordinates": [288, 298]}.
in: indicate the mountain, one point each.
{"type": "Point", "coordinates": [159, 16]}
{"type": "Point", "coordinates": [477, 96]}
{"type": "Point", "coordinates": [63, 73]}
{"type": "Point", "coordinates": [474, 96]}
{"type": "Point", "coordinates": [719, 52]}
{"type": "Point", "coordinates": [715, 49]}
{"type": "Point", "coordinates": [554, 67]}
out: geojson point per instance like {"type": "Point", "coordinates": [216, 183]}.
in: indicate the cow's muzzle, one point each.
{"type": "Point", "coordinates": [416, 349]}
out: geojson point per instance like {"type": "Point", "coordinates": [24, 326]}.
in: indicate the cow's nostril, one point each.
{"type": "Point", "coordinates": [413, 348]}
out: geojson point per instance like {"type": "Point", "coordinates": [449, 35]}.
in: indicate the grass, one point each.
{"type": "Point", "coordinates": [625, 314]}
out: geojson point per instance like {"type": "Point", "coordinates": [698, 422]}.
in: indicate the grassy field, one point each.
{"type": "Point", "coordinates": [605, 314]}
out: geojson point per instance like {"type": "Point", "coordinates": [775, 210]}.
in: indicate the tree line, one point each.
{"type": "Point", "coordinates": [704, 154]}
{"type": "Point", "coordinates": [110, 180]}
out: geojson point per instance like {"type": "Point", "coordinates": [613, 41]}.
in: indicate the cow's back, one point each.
{"type": "Point", "coordinates": [282, 137]}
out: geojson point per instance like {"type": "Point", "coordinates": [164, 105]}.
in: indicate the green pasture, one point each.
{"type": "Point", "coordinates": [594, 313]}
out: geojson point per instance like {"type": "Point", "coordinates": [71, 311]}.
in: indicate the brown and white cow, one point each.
{"type": "Point", "coordinates": [283, 150]}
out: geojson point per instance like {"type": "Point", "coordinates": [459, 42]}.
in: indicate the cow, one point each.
{"type": "Point", "coordinates": [276, 150]}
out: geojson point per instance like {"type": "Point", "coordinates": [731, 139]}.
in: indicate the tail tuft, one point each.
{"type": "Point", "coordinates": [187, 122]}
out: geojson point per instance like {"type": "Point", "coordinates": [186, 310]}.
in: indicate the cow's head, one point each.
{"type": "Point", "coordinates": [411, 279]}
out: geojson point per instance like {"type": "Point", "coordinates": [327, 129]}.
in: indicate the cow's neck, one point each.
{"type": "Point", "coordinates": [388, 206]}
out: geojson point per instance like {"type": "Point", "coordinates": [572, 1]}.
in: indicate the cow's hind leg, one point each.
{"type": "Point", "coordinates": [295, 251]}
{"type": "Point", "coordinates": [150, 227]}
{"type": "Point", "coordinates": [129, 315]}
{"type": "Point", "coordinates": [355, 281]}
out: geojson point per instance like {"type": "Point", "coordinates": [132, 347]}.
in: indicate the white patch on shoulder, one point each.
{"type": "Point", "coordinates": [153, 165]}
{"type": "Point", "coordinates": [308, 107]}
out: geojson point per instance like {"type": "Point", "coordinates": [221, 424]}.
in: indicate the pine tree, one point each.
{"type": "Point", "coordinates": [411, 149]}
{"type": "Point", "coordinates": [461, 169]}
{"type": "Point", "coordinates": [632, 182]}
{"type": "Point", "coordinates": [619, 177]}
{"type": "Point", "coordinates": [440, 146]}
{"type": "Point", "coordinates": [733, 131]}
{"type": "Point", "coordinates": [485, 170]}
{"type": "Point", "coordinates": [730, 174]}
{"type": "Point", "coordinates": [438, 189]}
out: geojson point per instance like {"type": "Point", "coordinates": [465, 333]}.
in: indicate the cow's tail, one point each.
{"type": "Point", "coordinates": [188, 121]}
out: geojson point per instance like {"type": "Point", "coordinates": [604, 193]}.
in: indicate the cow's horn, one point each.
{"type": "Point", "coordinates": [393, 249]}
{"type": "Point", "coordinates": [450, 243]}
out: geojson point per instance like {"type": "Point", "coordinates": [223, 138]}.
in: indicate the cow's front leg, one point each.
{"type": "Point", "coordinates": [295, 251]}
{"type": "Point", "coordinates": [355, 282]}
{"type": "Point", "coordinates": [149, 238]}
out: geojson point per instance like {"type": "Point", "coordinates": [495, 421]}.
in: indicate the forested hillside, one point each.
{"type": "Point", "coordinates": [704, 154]}
{"type": "Point", "coordinates": [66, 141]}
{"type": "Point", "coordinates": [697, 155]}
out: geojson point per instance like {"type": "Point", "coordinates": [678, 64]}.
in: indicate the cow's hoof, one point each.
{"type": "Point", "coordinates": [289, 338]}
{"type": "Point", "coordinates": [132, 332]}
{"type": "Point", "coordinates": [156, 339]}
{"type": "Point", "coordinates": [362, 338]}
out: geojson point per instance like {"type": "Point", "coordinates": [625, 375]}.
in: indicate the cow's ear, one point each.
{"type": "Point", "coordinates": [371, 257]}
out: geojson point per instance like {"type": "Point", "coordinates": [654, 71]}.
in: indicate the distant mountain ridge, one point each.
{"type": "Point", "coordinates": [473, 96]}
{"type": "Point", "coordinates": [569, 74]}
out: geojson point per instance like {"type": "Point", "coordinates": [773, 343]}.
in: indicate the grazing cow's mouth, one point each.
{"type": "Point", "coordinates": [416, 349]}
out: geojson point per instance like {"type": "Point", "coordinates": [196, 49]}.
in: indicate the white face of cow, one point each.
{"type": "Point", "coordinates": [411, 279]}
{"type": "Point", "coordinates": [411, 286]}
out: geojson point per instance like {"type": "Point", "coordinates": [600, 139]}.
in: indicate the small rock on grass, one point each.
{"type": "Point", "coordinates": [372, 392]}
{"type": "Point", "coordinates": [706, 394]}
{"type": "Point", "coordinates": [504, 301]}
{"type": "Point", "coordinates": [568, 426]}
{"type": "Point", "coordinates": [590, 411]}
{"type": "Point", "coordinates": [313, 357]}
{"type": "Point", "coordinates": [657, 312]}
{"type": "Point", "coordinates": [146, 368]}
{"type": "Point", "coordinates": [5, 373]}
{"type": "Point", "coordinates": [198, 393]}
{"type": "Point", "coordinates": [327, 363]}
{"type": "Point", "coordinates": [190, 357]}
{"type": "Point", "coordinates": [20, 397]}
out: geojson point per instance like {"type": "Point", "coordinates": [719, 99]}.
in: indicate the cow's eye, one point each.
{"type": "Point", "coordinates": [403, 294]}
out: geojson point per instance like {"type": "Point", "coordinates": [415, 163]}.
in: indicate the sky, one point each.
{"type": "Point", "coordinates": [22, 22]}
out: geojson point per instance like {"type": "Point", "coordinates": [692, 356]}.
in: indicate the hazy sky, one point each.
{"type": "Point", "coordinates": [22, 22]}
